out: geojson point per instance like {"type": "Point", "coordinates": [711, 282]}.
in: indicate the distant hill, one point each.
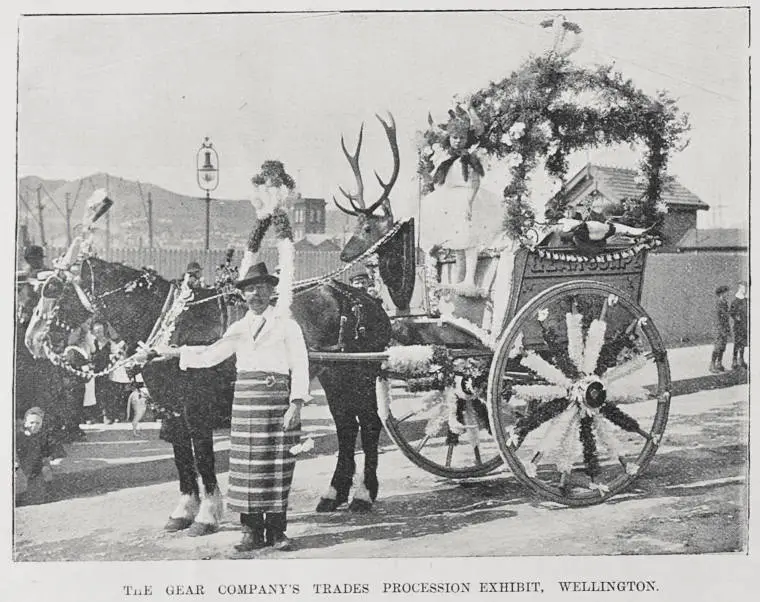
{"type": "Point", "coordinates": [178, 221]}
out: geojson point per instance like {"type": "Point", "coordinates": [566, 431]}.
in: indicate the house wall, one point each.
{"type": "Point", "coordinates": [677, 223]}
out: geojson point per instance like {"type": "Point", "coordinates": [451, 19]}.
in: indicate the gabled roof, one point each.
{"type": "Point", "coordinates": [617, 183]}
{"type": "Point", "coordinates": [715, 238]}
{"type": "Point", "coordinates": [317, 241]}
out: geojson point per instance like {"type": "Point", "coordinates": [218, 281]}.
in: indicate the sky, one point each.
{"type": "Point", "coordinates": [134, 96]}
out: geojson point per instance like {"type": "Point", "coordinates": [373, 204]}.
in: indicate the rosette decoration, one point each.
{"type": "Point", "coordinates": [584, 392]}
{"type": "Point", "coordinates": [550, 108]}
{"type": "Point", "coordinates": [447, 381]}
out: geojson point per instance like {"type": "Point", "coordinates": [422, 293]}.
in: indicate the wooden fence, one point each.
{"type": "Point", "coordinates": [171, 263]}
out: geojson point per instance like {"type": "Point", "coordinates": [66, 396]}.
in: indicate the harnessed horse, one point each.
{"type": "Point", "coordinates": [332, 315]}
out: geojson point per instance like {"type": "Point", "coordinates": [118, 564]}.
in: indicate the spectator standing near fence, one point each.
{"type": "Point", "coordinates": [740, 314]}
{"type": "Point", "coordinates": [722, 329]}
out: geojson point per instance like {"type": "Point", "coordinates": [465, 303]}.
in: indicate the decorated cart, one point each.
{"type": "Point", "coordinates": [545, 360]}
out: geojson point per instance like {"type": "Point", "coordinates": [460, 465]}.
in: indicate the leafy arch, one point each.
{"type": "Point", "coordinates": [549, 108]}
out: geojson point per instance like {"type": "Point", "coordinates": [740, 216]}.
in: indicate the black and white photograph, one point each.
{"type": "Point", "coordinates": [380, 284]}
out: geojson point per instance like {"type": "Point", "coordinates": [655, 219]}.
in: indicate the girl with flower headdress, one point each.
{"type": "Point", "coordinates": [446, 213]}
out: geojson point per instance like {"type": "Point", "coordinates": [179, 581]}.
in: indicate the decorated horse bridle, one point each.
{"type": "Point", "coordinates": [91, 302]}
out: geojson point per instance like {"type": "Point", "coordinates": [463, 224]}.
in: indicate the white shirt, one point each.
{"type": "Point", "coordinates": [279, 347]}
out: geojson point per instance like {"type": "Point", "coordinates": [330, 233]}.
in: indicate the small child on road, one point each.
{"type": "Point", "coordinates": [36, 451]}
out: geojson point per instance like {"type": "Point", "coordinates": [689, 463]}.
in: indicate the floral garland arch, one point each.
{"type": "Point", "coordinates": [549, 108]}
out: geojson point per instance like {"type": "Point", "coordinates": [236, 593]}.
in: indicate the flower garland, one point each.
{"type": "Point", "coordinates": [431, 368]}
{"type": "Point", "coordinates": [539, 111]}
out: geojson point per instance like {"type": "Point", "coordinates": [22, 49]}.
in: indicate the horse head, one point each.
{"type": "Point", "coordinates": [370, 227]}
{"type": "Point", "coordinates": [129, 299]}
{"type": "Point", "coordinates": [60, 308]}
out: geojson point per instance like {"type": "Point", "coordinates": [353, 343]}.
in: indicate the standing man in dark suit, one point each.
{"type": "Point", "coordinates": [722, 329]}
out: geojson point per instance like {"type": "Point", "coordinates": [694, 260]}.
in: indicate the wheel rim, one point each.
{"type": "Point", "coordinates": [424, 436]}
{"type": "Point", "coordinates": [579, 393]}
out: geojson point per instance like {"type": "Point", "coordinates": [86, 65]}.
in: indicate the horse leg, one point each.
{"type": "Point", "coordinates": [211, 507]}
{"type": "Point", "coordinates": [346, 428]}
{"type": "Point", "coordinates": [371, 426]}
{"type": "Point", "coordinates": [198, 414]}
{"type": "Point", "coordinates": [182, 516]}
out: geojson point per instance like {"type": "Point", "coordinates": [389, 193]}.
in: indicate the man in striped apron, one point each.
{"type": "Point", "coordinates": [271, 386]}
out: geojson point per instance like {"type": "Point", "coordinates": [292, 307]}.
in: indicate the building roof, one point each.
{"type": "Point", "coordinates": [321, 241]}
{"type": "Point", "coordinates": [618, 182]}
{"type": "Point", "coordinates": [715, 238]}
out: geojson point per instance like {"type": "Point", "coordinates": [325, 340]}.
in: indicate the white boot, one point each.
{"type": "Point", "coordinates": [183, 515]}
{"type": "Point", "coordinates": [467, 286]}
{"type": "Point", "coordinates": [209, 515]}
{"type": "Point", "coordinates": [362, 501]}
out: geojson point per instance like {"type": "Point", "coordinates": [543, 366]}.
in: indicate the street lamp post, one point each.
{"type": "Point", "coordinates": [207, 162]}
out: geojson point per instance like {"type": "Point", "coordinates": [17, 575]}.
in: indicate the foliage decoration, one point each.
{"type": "Point", "coordinates": [549, 108]}
{"type": "Point", "coordinates": [273, 174]}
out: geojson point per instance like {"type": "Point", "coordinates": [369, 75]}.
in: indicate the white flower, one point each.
{"type": "Point", "coordinates": [517, 130]}
{"type": "Point", "coordinates": [546, 129]}
{"type": "Point", "coordinates": [639, 180]}
{"type": "Point", "coordinates": [514, 159]}
{"type": "Point", "coordinates": [553, 147]}
{"type": "Point", "coordinates": [662, 207]}
{"type": "Point", "coordinates": [632, 468]}
{"type": "Point", "coordinates": [506, 139]}
{"type": "Point", "coordinates": [542, 314]}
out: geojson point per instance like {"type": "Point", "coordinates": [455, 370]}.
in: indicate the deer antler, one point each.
{"type": "Point", "coordinates": [343, 209]}
{"type": "Point", "coordinates": [353, 161]}
{"type": "Point", "coordinates": [390, 131]}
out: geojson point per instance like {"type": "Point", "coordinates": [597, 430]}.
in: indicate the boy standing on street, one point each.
{"type": "Point", "coordinates": [722, 330]}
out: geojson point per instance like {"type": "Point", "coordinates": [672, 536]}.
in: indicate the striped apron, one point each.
{"type": "Point", "coordinates": [261, 465]}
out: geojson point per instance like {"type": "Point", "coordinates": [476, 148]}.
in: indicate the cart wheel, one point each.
{"type": "Point", "coordinates": [579, 392]}
{"type": "Point", "coordinates": [427, 439]}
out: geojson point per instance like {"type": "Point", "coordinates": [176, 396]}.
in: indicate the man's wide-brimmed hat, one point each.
{"type": "Point", "coordinates": [34, 252]}
{"type": "Point", "coordinates": [256, 274]}
{"type": "Point", "coordinates": [194, 268]}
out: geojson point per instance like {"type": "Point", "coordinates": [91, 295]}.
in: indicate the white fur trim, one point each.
{"type": "Point", "coordinates": [249, 259]}
{"type": "Point", "coordinates": [187, 507]}
{"type": "Point", "coordinates": [287, 257]}
{"type": "Point", "coordinates": [330, 494]}
{"type": "Point", "coordinates": [210, 511]}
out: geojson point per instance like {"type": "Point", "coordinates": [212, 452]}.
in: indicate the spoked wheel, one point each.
{"type": "Point", "coordinates": [423, 429]}
{"type": "Point", "coordinates": [579, 393]}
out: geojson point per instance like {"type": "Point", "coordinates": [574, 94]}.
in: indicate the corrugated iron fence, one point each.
{"type": "Point", "coordinates": [678, 288]}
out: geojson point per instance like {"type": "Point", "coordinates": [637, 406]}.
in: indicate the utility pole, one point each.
{"type": "Point", "coordinates": [150, 219]}
{"type": "Point", "coordinates": [68, 218]}
{"type": "Point", "coordinates": [108, 219]}
{"type": "Point", "coordinates": [39, 213]}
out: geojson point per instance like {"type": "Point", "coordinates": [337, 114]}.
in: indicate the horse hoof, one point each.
{"type": "Point", "coordinates": [177, 524]}
{"type": "Point", "coordinates": [360, 505]}
{"type": "Point", "coordinates": [200, 529]}
{"type": "Point", "coordinates": [372, 487]}
{"type": "Point", "coordinates": [327, 505]}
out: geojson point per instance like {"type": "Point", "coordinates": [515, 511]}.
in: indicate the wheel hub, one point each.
{"type": "Point", "coordinates": [589, 391]}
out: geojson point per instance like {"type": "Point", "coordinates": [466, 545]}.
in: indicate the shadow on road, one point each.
{"type": "Point", "coordinates": [102, 477]}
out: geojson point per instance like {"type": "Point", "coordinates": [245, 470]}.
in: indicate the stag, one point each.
{"type": "Point", "coordinates": [397, 258]}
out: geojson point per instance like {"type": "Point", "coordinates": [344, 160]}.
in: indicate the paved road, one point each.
{"type": "Point", "coordinates": [691, 499]}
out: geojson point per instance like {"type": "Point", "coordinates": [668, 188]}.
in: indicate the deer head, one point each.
{"type": "Point", "coordinates": [371, 227]}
